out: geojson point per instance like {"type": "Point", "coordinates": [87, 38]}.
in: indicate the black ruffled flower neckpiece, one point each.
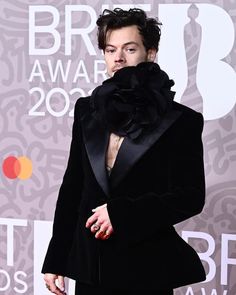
{"type": "Point", "coordinates": [134, 100]}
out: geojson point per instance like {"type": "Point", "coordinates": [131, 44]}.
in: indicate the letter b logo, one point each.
{"type": "Point", "coordinates": [215, 79]}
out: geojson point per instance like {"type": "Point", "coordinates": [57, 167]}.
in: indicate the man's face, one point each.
{"type": "Point", "coordinates": [124, 47]}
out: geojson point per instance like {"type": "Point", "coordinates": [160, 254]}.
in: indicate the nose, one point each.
{"type": "Point", "coordinates": [119, 57]}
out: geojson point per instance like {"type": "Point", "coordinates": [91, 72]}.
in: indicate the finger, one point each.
{"type": "Point", "coordinates": [61, 283]}
{"type": "Point", "coordinates": [104, 237]}
{"type": "Point", "coordinates": [50, 281]}
{"type": "Point", "coordinates": [91, 220]}
{"type": "Point", "coordinates": [108, 233]}
{"type": "Point", "coordinates": [109, 230]}
{"type": "Point", "coordinates": [53, 288]}
{"type": "Point", "coordinates": [104, 225]}
{"type": "Point", "coordinates": [57, 291]}
{"type": "Point", "coordinates": [102, 231]}
{"type": "Point", "coordinates": [99, 234]}
{"type": "Point", "coordinates": [95, 227]}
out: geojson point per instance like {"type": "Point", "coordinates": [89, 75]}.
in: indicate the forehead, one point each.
{"type": "Point", "coordinates": [123, 35]}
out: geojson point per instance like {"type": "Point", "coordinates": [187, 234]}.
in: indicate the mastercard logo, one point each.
{"type": "Point", "coordinates": [20, 167]}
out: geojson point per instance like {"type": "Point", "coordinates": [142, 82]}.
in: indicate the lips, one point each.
{"type": "Point", "coordinates": [115, 69]}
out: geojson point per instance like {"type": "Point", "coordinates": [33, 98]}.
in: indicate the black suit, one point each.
{"type": "Point", "coordinates": [155, 183]}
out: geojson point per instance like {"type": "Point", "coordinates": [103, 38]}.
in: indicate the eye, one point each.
{"type": "Point", "coordinates": [109, 50]}
{"type": "Point", "coordinates": [130, 49]}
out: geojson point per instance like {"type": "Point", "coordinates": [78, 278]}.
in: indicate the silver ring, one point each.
{"type": "Point", "coordinates": [96, 226]}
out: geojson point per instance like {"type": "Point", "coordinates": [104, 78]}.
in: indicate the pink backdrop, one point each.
{"type": "Point", "coordinates": [48, 59]}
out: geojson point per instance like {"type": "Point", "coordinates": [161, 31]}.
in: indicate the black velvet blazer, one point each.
{"type": "Point", "coordinates": [155, 183]}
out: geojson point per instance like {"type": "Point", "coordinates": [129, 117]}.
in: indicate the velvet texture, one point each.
{"type": "Point", "coordinates": [157, 181]}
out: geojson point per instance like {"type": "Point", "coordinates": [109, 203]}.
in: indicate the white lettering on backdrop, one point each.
{"type": "Point", "coordinates": [216, 80]}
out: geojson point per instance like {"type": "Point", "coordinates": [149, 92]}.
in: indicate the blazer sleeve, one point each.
{"type": "Point", "coordinates": [65, 217]}
{"type": "Point", "coordinates": [152, 213]}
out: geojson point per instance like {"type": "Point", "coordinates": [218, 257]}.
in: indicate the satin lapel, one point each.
{"type": "Point", "coordinates": [96, 141]}
{"type": "Point", "coordinates": [130, 152]}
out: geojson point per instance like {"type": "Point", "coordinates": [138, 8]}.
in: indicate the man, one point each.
{"type": "Point", "coordinates": [135, 169]}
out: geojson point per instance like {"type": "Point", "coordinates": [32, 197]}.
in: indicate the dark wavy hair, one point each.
{"type": "Point", "coordinates": [149, 28]}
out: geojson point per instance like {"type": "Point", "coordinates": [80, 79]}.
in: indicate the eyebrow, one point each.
{"type": "Point", "coordinates": [125, 44]}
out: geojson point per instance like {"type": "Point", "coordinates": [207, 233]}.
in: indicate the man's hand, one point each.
{"type": "Point", "coordinates": [50, 280]}
{"type": "Point", "coordinates": [99, 223]}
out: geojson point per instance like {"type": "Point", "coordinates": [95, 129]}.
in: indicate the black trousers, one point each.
{"type": "Point", "coordinates": [83, 289]}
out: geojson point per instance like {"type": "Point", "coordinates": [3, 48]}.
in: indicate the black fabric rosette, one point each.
{"type": "Point", "coordinates": [134, 100]}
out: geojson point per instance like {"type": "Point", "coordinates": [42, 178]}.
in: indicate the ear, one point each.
{"type": "Point", "coordinates": [151, 54]}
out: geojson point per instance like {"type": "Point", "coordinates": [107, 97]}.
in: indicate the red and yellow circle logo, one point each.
{"type": "Point", "coordinates": [20, 167]}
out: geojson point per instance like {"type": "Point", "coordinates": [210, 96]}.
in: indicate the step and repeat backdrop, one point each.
{"type": "Point", "coordinates": [48, 59]}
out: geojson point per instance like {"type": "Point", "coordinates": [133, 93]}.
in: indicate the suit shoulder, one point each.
{"type": "Point", "coordinates": [189, 119]}
{"type": "Point", "coordinates": [82, 104]}
{"type": "Point", "coordinates": [187, 112]}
